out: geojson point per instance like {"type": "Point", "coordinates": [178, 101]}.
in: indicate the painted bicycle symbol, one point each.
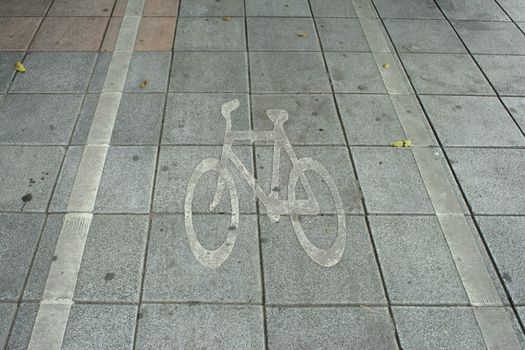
{"type": "Point", "coordinates": [275, 207]}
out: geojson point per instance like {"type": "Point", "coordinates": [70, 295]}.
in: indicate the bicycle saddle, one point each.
{"type": "Point", "coordinates": [277, 115]}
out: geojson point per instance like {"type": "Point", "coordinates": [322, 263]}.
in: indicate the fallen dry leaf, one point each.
{"type": "Point", "coordinates": [386, 65]}
{"type": "Point", "coordinates": [144, 83]}
{"type": "Point", "coordinates": [401, 143]}
{"type": "Point", "coordinates": [303, 34]}
{"type": "Point", "coordinates": [227, 18]}
{"type": "Point", "coordinates": [20, 67]}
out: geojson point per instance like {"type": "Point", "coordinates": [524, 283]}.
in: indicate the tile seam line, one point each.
{"type": "Point", "coordinates": [466, 254]}
{"type": "Point", "coordinates": [57, 298]}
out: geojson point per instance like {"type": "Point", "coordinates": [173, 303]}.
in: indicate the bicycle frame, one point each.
{"type": "Point", "coordinates": [274, 206]}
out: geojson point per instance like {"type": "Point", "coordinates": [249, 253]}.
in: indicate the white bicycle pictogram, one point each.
{"type": "Point", "coordinates": [275, 207]}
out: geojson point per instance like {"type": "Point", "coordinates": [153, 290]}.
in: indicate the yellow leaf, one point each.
{"type": "Point", "coordinates": [144, 83]}
{"type": "Point", "coordinates": [20, 67]}
{"type": "Point", "coordinates": [227, 18]}
{"type": "Point", "coordinates": [303, 34]}
{"type": "Point", "coordinates": [401, 143]}
{"type": "Point", "coordinates": [386, 65]}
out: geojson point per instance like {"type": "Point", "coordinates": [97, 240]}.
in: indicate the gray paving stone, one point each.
{"type": "Point", "coordinates": [188, 327]}
{"type": "Point", "coordinates": [152, 66]}
{"type": "Point", "coordinates": [43, 258]}
{"type": "Point", "coordinates": [127, 180]}
{"type": "Point", "coordinates": [212, 8]}
{"type": "Point", "coordinates": [7, 68]}
{"type": "Point", "coordinates": [38, 119]}
{"type": "Point", "coordinates": [516, 106]}
{"type": "Point", "coordinates": [291, 277]}
{"type": "Point", "coordinates": [176, 165]}
{"type": "Point", "coordinates": [282, 34]}
{"type": "Point", "coordinates": [111, 269]}
{"type": "Point", "coordinates": [330, 328]}
{"type": "Point", "coordinates": [87, 112]}
{"type": "Point", "coordinates": [491, 37]}
{"type": "Point", "coordinates": [114, 327]}
{"type": "Point", "coordinates": [27, 176]}
{"type": "Point", "coordinates": [390, 181]}
{"type": "Point", "coordinates": [438, 327]}
{"type": "Point", "coordinates": [197, 72]}
{"type": "Point", "coordinates": [521, 313]}
{"type": "Point", "coordinates": [289, 72]}
{"type": "Point", "coordinates": [23, 326]}
{"type": "Point", "coordinates": [276, 8]}
{"type": "Point", "coordinates": [423, 36]}
{"type": "Point", "coordinates": [445, 74]}
{"type": "Point", "coordinates": [312, 118]}
{"type": "Point", "coordinates": [491, 179]}
{"type": "Point", "coordinates": [173, 273]}
{"type": "Point", "coordinates": [515, 9]}
{"type": "Point", "coordinates": [505, 240]}
{"type": "Point", "coordinates": [55, 72]}
{"type": "Point", "coordinates": [472, 121]}
{"type": "Point", "coordinates": [7, 313]}
{"type": "Point", "coordinates": [65, 181]}
{"type": "Point", "coordinates": [416, 261]}
{"type": "Point", "coordinates": [341, 34]}
{"type": "Point", "coordinates": [197, 119]}
{"type": "Point", "coordinates": [369, 119]}
{"type": "Point", "coordinates": [354, 72]}
{"type": "Point", "coordinates": [99, 73]}
{"type": "Point", "coordinates": [472, 10]}
{"type": "Point", "coordinates": [335, 160]}
{"type": "Point", "coordinates": [422, 9]}
{"type": "Point", "coordinates": [19, 234]}
{"type": "Point", "coordinates": [504, 73]}
{"type": "Point", "coordinates": [334, 8]}
{"type": "Point", "coordinates": [139, 119]}
{"type": "Point", "coordinates": [210, 34]}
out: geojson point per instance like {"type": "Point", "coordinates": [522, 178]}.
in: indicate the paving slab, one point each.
{"type": "Point", "coordinates": [504, 238]}
{"type": "Point", "coordinates": [35, 119]}
{"type": "Point", "coordinates": [28, 175]}
{"type": "Point", "coordinates": [514, 8]}
{"type": "Point", "coordinates": [445, 74]}
{"type": "Point", "coordinates": [282, 34]}
{"type": "Point", "coordinates": [369, 119]}
{"type": "Point", "coordinates": [209, 33]}
{"type": "Point", "coordinates": [81, 8]}
{"type": "Point", "coordinates": [152, 66]}
{"type": "Point", "coordinates": [85, 118]}
{"type": "Point", "coordinates": [188, 326]}
{"type": "Point", "coordinates": [516, 106]}
{"type": "Point", "coordinates": [334, 8]}
{"type": "Point", "coordinates": [17, 32]}
{"type": "Point", "coordinates": [155, 34]}
{"type": "Point", "coordinates": [176, 166]}
{"type": "Point", "coordinates": [472, 121]}
{"type": "Point", "coordinates": [127, 180]}
{"type": "Point", "coordinates": [346, 328]}
{"type": "Point", "coordinates": [23, 326]}
{"type": "Point", "coordinates": [19, 234]}
{"type": "Point", "coordinates": [110, 38]}
{"type": "Point", "coordinates": [174, 275]}
{"type": "Point", "coordinates": [491, 178]}
{"type": "Point", "coordinates": [288, 72]}
{"type": "Point", "coordinates": [66, 179]}
{"type": "Point", "coordinates": [354, 72]}
{"type": "Point", "coordinates": [312, 119]}
{"type": "Point", "coordinates": [99, 72]}
{"type": "Point", "coordinates": [291, 277]}
{"type": "Point", "coordinates": [196, 119]}
{"type": "Point", "coordinates": [198, 8]}
{"type": "Point", "coordinates": [7, 68]}
{"type": "Point", "coordinates": [161, 8]}
{"type": "Point", "coordinates": [416, 262]}
{"type": "Point", "coordinates": [472, 10]}
{"type": "Point", "coordinates": [521, 313]}
{"type": "Point", "coordinates": [422, 9]}
{"type": "Point", "coordinates": [341, 34]}
{"type": "Point", "coordinates": [502, 73]}
{"type": "Point", "coordinates": [334, 159]}
{"type": "Point", "coordinates": [111, 269]}
{"type": "Point", "coordinates": [197, 72]}
{"type": "Point", "coordinates": [139, 119]}
{"type": "Point", "coordinates": [435, 36]}
{"type": "Point", "coordinates": [82, 333]}
{"type": "Point", "coordinates": [7, 314]}
{"type": "Point", "coordinates": [55, 72]}
{"type": "Point", "coordinates": [443, 327]}
{"type": "Point", "coordinates": [491, 37]}
{"type": "Point", "coordinates": [390, 181]}
{"type": "Point", "coordinates": [17, 8]}
{"type": "Point", "coordinates": [277, 8]}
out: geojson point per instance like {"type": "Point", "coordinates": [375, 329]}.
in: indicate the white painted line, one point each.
{"type": "Point", "coordinates": [494, 322]}
{"type": "Point", "coordinates": [53, 313]}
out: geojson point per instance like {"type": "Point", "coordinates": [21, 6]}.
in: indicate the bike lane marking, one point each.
{"type": "Point", "coordinates": [493, 320]}
{"type": "Point", "coordinates": [55, 306]}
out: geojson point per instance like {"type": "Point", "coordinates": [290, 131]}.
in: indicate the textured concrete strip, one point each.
{"type": "Point", "coordinates": [104, 119]}
{"type": "Point", "coordinates": [495, 324]}
{"type": "Point", "coordinates": [50, 325]}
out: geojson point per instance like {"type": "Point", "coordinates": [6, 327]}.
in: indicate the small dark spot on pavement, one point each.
{"type": "Point", "coordinates": [231, 228]}
{"type": "Point", "coordinates": [321, 129]}
{"type": "Point", "coordinates": [54, 258]}
{"type": "Point", "coordinates": [264, 240]}
{"type": "Point", "coordinates": [109, 276]}
{"type": "Point", "coordinates": [276, 189]}
{"type": "Point", "coordinates": [27, 197]}
{"type": "Point", "coordinates": [164, 168]}
{"type": "Point", "coordinates": [506, 277]}
{"type": "Point", "coordinates": [362, 87]}
{"type": "Point", "coordinates": [135, 157]}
